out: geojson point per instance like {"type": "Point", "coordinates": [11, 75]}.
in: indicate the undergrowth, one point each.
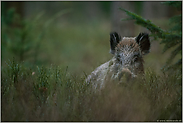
{"type": "Point", "coordinates": [53, 94]}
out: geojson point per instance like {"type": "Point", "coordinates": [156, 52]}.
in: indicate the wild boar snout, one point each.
{"type": "Point", "coordinates": [126, 74]}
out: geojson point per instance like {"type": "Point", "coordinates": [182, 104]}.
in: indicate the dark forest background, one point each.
{"type": "Point", "coordinates": [77, 33]}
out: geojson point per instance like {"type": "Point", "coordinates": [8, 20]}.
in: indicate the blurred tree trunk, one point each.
{"type": "Point", "coordinates": [155, 10]}
{"type": "Point", "coordinates": [17, 5]}
{"type": "Point", "coordinates": [125, 28]}
{"type": "Point", "coordinates": [93, 10]}
{"type": "Point", "coordinates": [35, 7]}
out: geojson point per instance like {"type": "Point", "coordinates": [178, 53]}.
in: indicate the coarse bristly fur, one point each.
{"type": "Point", "coordinates": [127, 60]}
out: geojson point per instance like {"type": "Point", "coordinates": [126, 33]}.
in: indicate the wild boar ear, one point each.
{"type": "Point", "coordinates": [143, 40]}
{"type": "Point", "coordinates": [114, 40]}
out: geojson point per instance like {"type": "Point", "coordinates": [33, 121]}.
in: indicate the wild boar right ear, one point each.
{"type": "Point", "coordinates": [114, 40]}
{"type": "Point", "coordinates": [143, 40]}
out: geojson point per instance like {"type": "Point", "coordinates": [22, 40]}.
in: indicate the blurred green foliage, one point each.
{"type": "Point", "coordinates": [16, 35]}
{"type": "Point", "coordinates": [62, 43]}
{"type": "Point", "coordinates": [21, 38]}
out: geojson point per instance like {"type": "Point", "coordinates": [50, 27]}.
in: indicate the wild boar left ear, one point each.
{"type": "Point", "coordinates": [143, 40]}
{"type": "Point", "coordinates": [114, 40]}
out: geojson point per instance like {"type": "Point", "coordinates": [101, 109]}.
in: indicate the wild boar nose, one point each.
{"type": "Point", "coordinates": [125, 75]}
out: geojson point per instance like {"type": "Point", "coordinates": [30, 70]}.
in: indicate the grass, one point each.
{"type": "Point", "coordinates": [53, 88]}
{"type": "Point", "coordinates": [53, 94]}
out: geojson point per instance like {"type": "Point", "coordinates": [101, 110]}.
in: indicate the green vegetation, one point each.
{"type": "Point", "coordinates": [21, 38]}
{"type": "Point", "coordinates": [59, 42]}
{"type": "Point", "coordinates": [52, 94]}
{"type": "Point", "coordinates": [48, 82]}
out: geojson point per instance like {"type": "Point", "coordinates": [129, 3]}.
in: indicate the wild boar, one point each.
{"type": "Point", "coordinates": [127, 60]}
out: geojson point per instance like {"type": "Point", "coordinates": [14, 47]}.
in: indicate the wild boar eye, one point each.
{"type": "Point", "coordinates": [136, 58]}
{"type": "Point", "coordinates": [118, 57]}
